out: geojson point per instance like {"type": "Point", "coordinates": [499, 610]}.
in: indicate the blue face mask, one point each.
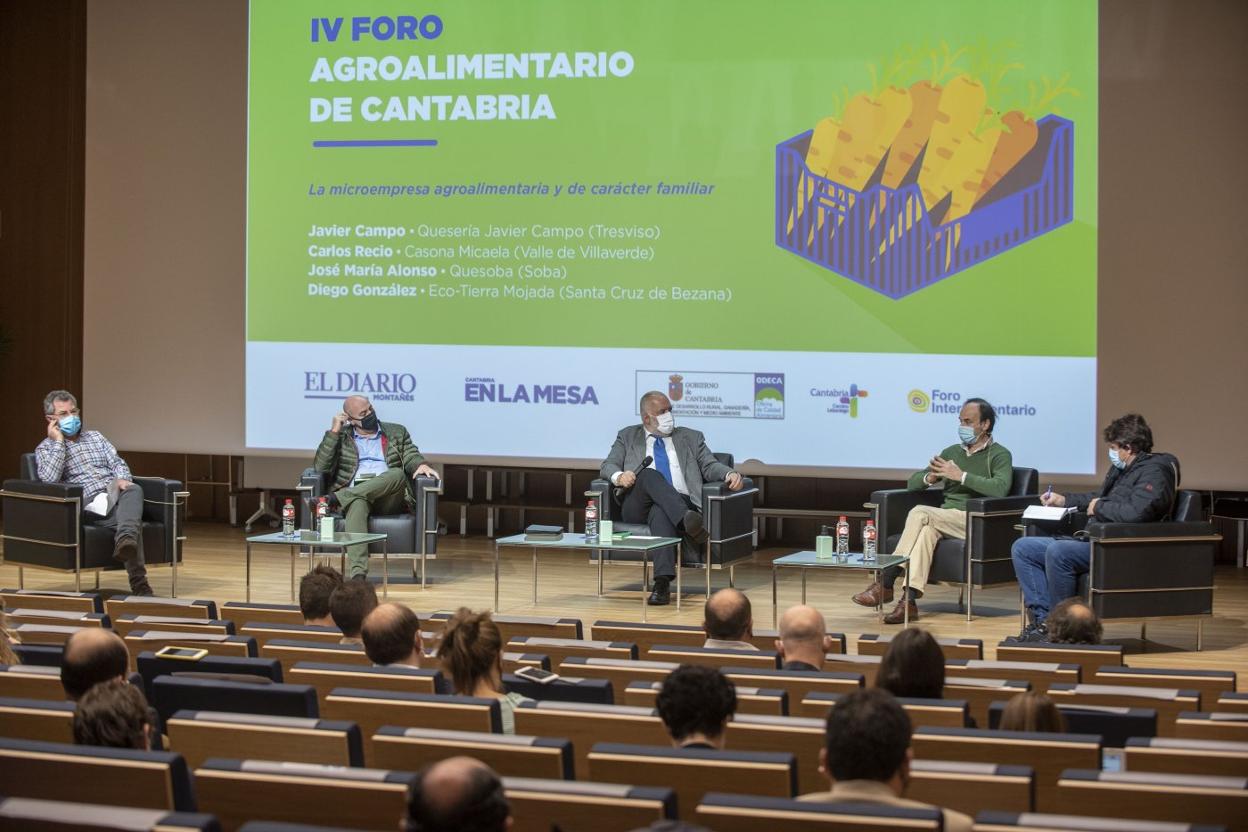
{"type": "Point", "coordinates": [70, 425]}
{"type": "Point", "coordinates": [967, 435]}
{"type": "Point", "coordinates": [1116, 460]}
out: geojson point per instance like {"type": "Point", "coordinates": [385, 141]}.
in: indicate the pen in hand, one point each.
{"type": "Point", "coordinates": [1048, 492]}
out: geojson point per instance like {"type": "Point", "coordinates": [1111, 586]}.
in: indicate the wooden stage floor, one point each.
{"type": "Point", "coordinates": [462, 575]}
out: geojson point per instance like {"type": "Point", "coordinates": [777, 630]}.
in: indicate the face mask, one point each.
{"type": "Point", "coordinates": [967, 435]}
{"type": "Point", "coordinates": [70, 425]}
{"type": "Point", "coordinates": [370, 422]}
{"type": "Point", "coordinates": [666, 423]}
{"type": "Point", "coordinates": [1116, 460]}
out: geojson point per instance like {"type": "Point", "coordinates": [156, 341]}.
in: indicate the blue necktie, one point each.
{"type": "Point", "coordinates": [661, 463]}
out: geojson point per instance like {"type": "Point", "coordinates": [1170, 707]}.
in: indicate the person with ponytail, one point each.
{"type": "Point", "coordinates": [471, 653]}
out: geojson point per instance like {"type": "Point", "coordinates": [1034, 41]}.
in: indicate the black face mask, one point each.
{"type": "Point", "coordinates": [370, 422]}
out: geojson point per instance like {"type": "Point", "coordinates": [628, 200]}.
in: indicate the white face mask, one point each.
{"type": "Point", "coordinates": [665, 423]}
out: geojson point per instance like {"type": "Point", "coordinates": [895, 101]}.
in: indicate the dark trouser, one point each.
{"type": "Point", "coordinates": [127, 519]}
{"type": "Point", "coordinates": [382, 494]}
{"type": "Point", "coordinates": [654, 501]}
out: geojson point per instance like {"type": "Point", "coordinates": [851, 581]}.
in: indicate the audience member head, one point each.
{"type": "Point", "coordinates": [471, 652]}
{"type": "Point", "coordinates": [314, 591]}
{"type": "Point", "coordinates": [728, 616]}
{"type": "Point", "coordinates": [391, 634]}
{"type": "Point", "coordinates": [1032, 711]}
{"type": "Point", "coordinates": [92, 655]}
{"type": "Point", "coordinates": [695, 704]}
{"type": "Point", "coordinates": [350, 605]}
{"type": "Point", "coordinates": [913, 666]}
{"type": "Point", "coordinates": [458, 794]}
{"type": "Point", "coordinates": [113, 714]}
{"type": "Point", "coordinates": [1073, 622]}
{"type": "Point", "coordinates": [868, 738]}
{"type": "Point", "coordinates": [803, 636]}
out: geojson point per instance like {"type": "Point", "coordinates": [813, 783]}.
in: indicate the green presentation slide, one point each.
{"type": "Point", "coordinates": [805, 180]}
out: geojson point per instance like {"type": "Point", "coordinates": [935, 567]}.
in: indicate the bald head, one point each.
{"type": "Point", "coordinates": [92, 655]}
{"type": "Point", "coordinates": [459, 793]}
{"type": "Point", "coordinates": [728, 616]}
{"type": "Point", "coordinates": [803, 636]}
{"type": "Point", "coordinates": [1074, 622]}
{"type": "Point", "coordinates": [391, 635]}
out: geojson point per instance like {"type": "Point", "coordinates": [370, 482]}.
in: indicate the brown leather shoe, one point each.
{"type": "Point", "coordinates": [874, 596]}
{"type": "Point", "coordinates": [897, 616]}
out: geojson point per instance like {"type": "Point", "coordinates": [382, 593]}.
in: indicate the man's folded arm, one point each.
{"type": "Point", "coordinates": [613, 465]}
{"type": "Point", "coordinates": [412, 457]}
{"type": "Point", "coordinates": [120, 469]}
{"type": "Point", "coordinates": [50, 461]}
{"type": "Point", "coordinates": [712, 469]}
{"type": "Point", "coordinates": [326, 452]}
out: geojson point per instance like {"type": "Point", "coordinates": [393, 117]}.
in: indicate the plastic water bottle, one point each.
{"type": "Point", "coordinates": [591, 518]}
{"type": "Point", "coordinates": [842, 537]}
{"type": "Point", "coordinates": [288, 519]}
{"type": "Point", "coordinates": [322, 508]}
{"type": "Point", "coordinates": [868, 541]}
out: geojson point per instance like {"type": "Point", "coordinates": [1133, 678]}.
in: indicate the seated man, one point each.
{"type": "Point", "coordinates": [867, 755]}
{"type": "Point", "coordinates": [1139, 488]}
{"type": "Point", "coordinates": [85, 458]}
{"type": "Point", "coordinates": [349, 606]}
{"type": "Point", "coordinates": [92, 655]}
{"type": "Point", "coordinates": [1074, 622]}
{"type": "Point", "coordinates": [370, 464]}
{"type": "Point", "coordinates": [667, 495]}
{"type": "Point", "coordinates": [804, 639]}
{"type": "Point", "coordinates": [975, 467]}
{"type": "Point", "coordinates": [695, 704]}
{"type": "Point", "coordinates": [314, 591]}
{"type": "Point", "coordinates": [728, 620]}
{"type": "Point", "coordinates": [458, 794]}
{"type": "Point", "coordinates": [113, 714]}
{"type": "Point", "coordinates": [391, 635]}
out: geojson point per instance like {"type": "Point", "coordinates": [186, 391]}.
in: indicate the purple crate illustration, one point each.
{"type": "Point", "coordinates": [885, 239]}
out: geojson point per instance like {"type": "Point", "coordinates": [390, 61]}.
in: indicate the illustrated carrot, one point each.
{"type": "Point", "coordinates": [822, 145]}
{"type": "Point", "coordinates": [924, 98]}
{"type": "Point", "coordinates": [896, 106]}
{"type": "Point", "coordinates": [859, 127]}
{"type": "Point", "coordinates": [818, 157]}
{"type": "Point", "coordinates": [959, 112]}
{"type": "Point", "coordinates": [1016, 142]}
{"type": "Point", "coordinates": [964, 174]}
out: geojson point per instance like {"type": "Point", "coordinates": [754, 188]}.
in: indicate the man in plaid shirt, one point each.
{"type": "Point", "coordinates": [84, 457]}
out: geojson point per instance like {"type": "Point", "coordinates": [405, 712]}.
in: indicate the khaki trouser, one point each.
{"type": "Point", "coordinates": [382, 494]}
{"type": "Point", "coordinates": [925, 526]}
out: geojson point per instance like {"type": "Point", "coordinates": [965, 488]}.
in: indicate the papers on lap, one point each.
{"type": "Point", "coordinates": [1047, 512]}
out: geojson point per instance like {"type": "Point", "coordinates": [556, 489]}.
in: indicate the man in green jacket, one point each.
{"type": "Point", "coordinates": [975, 467]}
{"type": "Point", "coordinates": [370, 461]}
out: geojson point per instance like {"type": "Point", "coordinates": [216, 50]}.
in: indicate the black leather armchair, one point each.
{"type": "Point", "coordinates": [727, 516]}
{"type": "Point", "coordinates": [45, 527]}
{"type": "Point", "coordinates": [412, 535]}
{"type": "Point", "coordinates": [1142, 571]}
{"type": "Point", "coordinates": [983, 559]}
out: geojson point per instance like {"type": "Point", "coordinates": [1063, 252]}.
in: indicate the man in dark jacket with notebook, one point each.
{"type": "Point", "coordinates": [1139, 488]}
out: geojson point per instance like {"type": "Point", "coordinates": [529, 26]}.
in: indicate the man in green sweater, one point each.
{"type": "Point", "coordinates": [975, 467]}
{"type": "Point", "coordinates": [369, 462]}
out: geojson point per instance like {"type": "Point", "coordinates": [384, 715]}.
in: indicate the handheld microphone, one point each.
{"type": "Point", "coordinates": [645, 463]}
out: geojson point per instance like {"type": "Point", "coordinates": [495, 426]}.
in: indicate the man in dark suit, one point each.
{"type": "Point", "coordinates": [667, 495]}
{"type": "Point", "coordinates": [371, 463]}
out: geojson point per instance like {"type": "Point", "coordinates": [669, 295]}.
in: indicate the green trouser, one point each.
{"type": "Point", "coordinates": [382, 494]}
